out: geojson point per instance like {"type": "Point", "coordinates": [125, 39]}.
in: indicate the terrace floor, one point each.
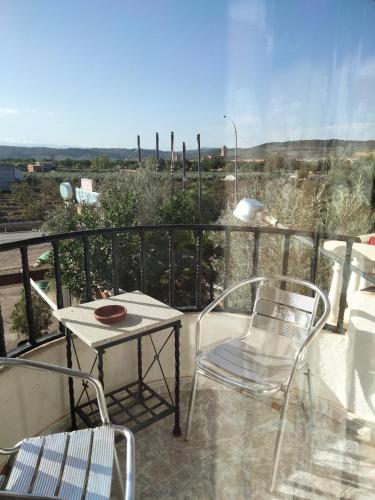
{"type": "Point", "coordinates": [230, 452]}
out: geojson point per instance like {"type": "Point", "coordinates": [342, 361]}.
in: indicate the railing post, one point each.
{"type": "Point", "coordinates": [227, 250]}
{"type": "Point", "coordinates": [57, 271]}
{"type": "Point", "coordinates": [285, 265]}
{"type": "Point", "coordinates": [172, 269]}
{"type": "Point", "coordinates": [87, 268]}
{"type": "Point", "coordinates": [3, 351]}
{"type": "Point", "coordinates": [255, 265]}
{"type": "Point", "coordinates": [314, 257]}
{"type": "Point", "coordinates": [199, 178]}
{"type": "Point", "coordinates": [28, 298]}
{"type": "Point", "coordinates": [115, 279]}
{"type": "Point", "coordinates": [139, 149]}
{"type": "Point", "coordinates": [344, 286]}
{"type": "Point", "coordinates": [198, 274]}
{"type": "Point", "coordinates": [142, 260]}
{"type": "Point", "coordinates": [183, 165]}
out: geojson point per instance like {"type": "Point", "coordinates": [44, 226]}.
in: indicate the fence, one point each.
{"type": "Point", "coordinates": [171, 233]}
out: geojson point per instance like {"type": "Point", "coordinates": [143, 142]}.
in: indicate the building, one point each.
{"type": "Point", "coordinates": [40, 166]}
{"type": "Point", "coordinates": [222, 153]}
{"type": "Point", "coordinates": [8, 175]}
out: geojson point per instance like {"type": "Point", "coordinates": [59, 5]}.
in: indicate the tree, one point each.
{"type": "Point", "coordinates": [41, 314]}
{"type": "Point", "coordinates": [101, 162]}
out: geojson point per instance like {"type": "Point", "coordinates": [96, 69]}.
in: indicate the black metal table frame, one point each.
{"type": "Point", "coordinates": [134, 397]}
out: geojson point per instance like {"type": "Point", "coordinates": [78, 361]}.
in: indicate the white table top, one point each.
{"type": "Point", "coordinates": [144, 313]}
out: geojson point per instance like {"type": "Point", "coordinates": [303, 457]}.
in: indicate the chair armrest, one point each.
{"type": "Point", "coordinates": [130, 460]}
{"type": "Point", "coordinates": [67, 372]}
{"type": "Point", "coordinates": [214, 303]}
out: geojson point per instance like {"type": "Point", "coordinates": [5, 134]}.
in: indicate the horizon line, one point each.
{"type": "Point", "coordinates": [31, 146]}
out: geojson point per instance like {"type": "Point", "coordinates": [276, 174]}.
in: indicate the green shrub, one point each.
{"type": "Point", "coordinates": [41, 313]}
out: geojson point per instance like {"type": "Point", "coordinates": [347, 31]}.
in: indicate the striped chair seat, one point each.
{"type": "Point", "coordinates": [75, 465]}
{"type": "Point", "coordinates": [252, 367]}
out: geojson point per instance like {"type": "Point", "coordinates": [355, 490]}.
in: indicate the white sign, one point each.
{"type": "Point", "coordinates": [84, 196]}
{"type": "Point", "coordinates": [66, 191]}
{"type": "Point", "coordinates": [88, 184]}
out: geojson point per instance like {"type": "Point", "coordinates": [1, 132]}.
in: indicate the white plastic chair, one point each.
{"type": "Point", "coordinates": [69, 465]}
{"type": "Point", "coordinates": [264, 362]}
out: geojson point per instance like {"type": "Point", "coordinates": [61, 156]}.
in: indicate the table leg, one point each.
{"type": "Point", "coordinates": [100, 367]}
{"type": "Point", "coordinates": [140, 379]}
{"type": "Point", "coordinates": [177, 428]}
{"type": "Point", "coordinates": [68, 336]}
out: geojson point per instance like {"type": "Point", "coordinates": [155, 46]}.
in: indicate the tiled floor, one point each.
{"type": "Point", "coordinates": [230, 453]}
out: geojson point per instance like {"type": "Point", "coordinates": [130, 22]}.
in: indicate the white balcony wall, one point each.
{"type": "Point", "coordinates": [33, 402]}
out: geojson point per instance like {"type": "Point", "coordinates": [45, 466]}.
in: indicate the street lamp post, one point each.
{"type": "Point", "coordinates": [235, 159]}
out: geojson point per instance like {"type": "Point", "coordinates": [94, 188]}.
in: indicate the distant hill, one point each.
{"type": "Point", "coordinates": [306, 149]}
{"type": "Point", "coordinates": [313, 149]}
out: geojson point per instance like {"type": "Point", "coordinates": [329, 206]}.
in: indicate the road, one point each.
{"type": "Point", "coordinates": [11, 260]}
{"type": "Point", "coordinates": [19, 235]}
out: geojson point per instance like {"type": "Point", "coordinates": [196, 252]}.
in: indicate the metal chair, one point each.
{"type": "Point", "coordinates": [264, 362]}
{"type": "Point", "coordinates": [69, 465]}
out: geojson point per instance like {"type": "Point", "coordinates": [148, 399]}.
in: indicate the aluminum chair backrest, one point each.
{"type": "Point", "coordinates": [289, 314]}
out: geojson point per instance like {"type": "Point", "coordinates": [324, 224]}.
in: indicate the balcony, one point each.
{"type": "Point", "coordinates": [230, 452]}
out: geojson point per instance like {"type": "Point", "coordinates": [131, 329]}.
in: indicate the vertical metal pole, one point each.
{"type": "Point", "coordinates": [172, 153]}
{"type": "Point", "coordinates": [69, 363]}
{"type": "Point", "coordinates": [157, 151]}
{"type": "Point", "coordinates": [87, 268]}
{"type": "Point", "coordinates": [44, 188]}
{"type": "Point", "coordinates": [139, 356]}
{"type": "Point", "coordinates": [183, 164]}
{"type": "Point", "coordinates": [344, 287]}
{"type": "Point", "coordinates": [199, 178]}
{"type": "Point", "coordinates": [172, 161]}
{"type": "Point", "coordinates": [198, 271]}
{"type": "Point", "coordinates": [314, 258]}
{"type": "Point", "coordinates": [100, 354]}
{"type": "Point", "coordinates": [177, 428]}
{"type": "Point", "coordinates": [115, 275]}
{"type": "Point", "coordinates": [3, 351]}
{"type": "Point", "coordinates": [226, 263]}
{"type": "Point", "coordinates": [142, 260]}
{"type": "Point", "coordinates": [172, 269]}
{"type": "Point", "coordinates": [57, 271]}
{"type": "Point", "coordinates": [235, 160]}
{"type": "Point", "coordinates": [28, 297]}
{"type": "Point", "coordinates": [286, 248]}
{"type": "Point", "coordinates": [255, 265]}
{"type": "Point", "coordinates": [139, 148]}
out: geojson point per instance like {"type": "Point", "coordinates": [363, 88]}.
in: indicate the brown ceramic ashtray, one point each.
{"type": "Point", "coordinates": [110, 314]}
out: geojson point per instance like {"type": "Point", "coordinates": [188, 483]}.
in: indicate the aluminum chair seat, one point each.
{"type": "Point", "coordinates": [254, 368]}
{"type": "Point", "coordinates": [75, 465]}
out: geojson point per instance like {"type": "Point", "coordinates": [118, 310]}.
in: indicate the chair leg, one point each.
{"type": "Point", "coordinates": [191, 405]}
{"type": "Point", "coordinates": [119, 475]}
{"type": "Point", "coordinates": [279, 441]}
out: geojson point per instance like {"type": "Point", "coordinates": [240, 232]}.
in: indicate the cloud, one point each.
{"type": "Point", "coordinates": [254, 15]}
{"type": "Point", "coordinates": [8, 111]}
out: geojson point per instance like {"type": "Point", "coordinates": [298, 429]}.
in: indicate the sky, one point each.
{"type": "Point", "coordinates": [95, 73]}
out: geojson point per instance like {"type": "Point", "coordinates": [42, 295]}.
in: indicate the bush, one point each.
{"type": "Point", "coordinates": [41, 313]}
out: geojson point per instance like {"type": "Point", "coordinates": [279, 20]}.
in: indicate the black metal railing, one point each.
{"type": "Point", "coordinates": [170, 232]}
